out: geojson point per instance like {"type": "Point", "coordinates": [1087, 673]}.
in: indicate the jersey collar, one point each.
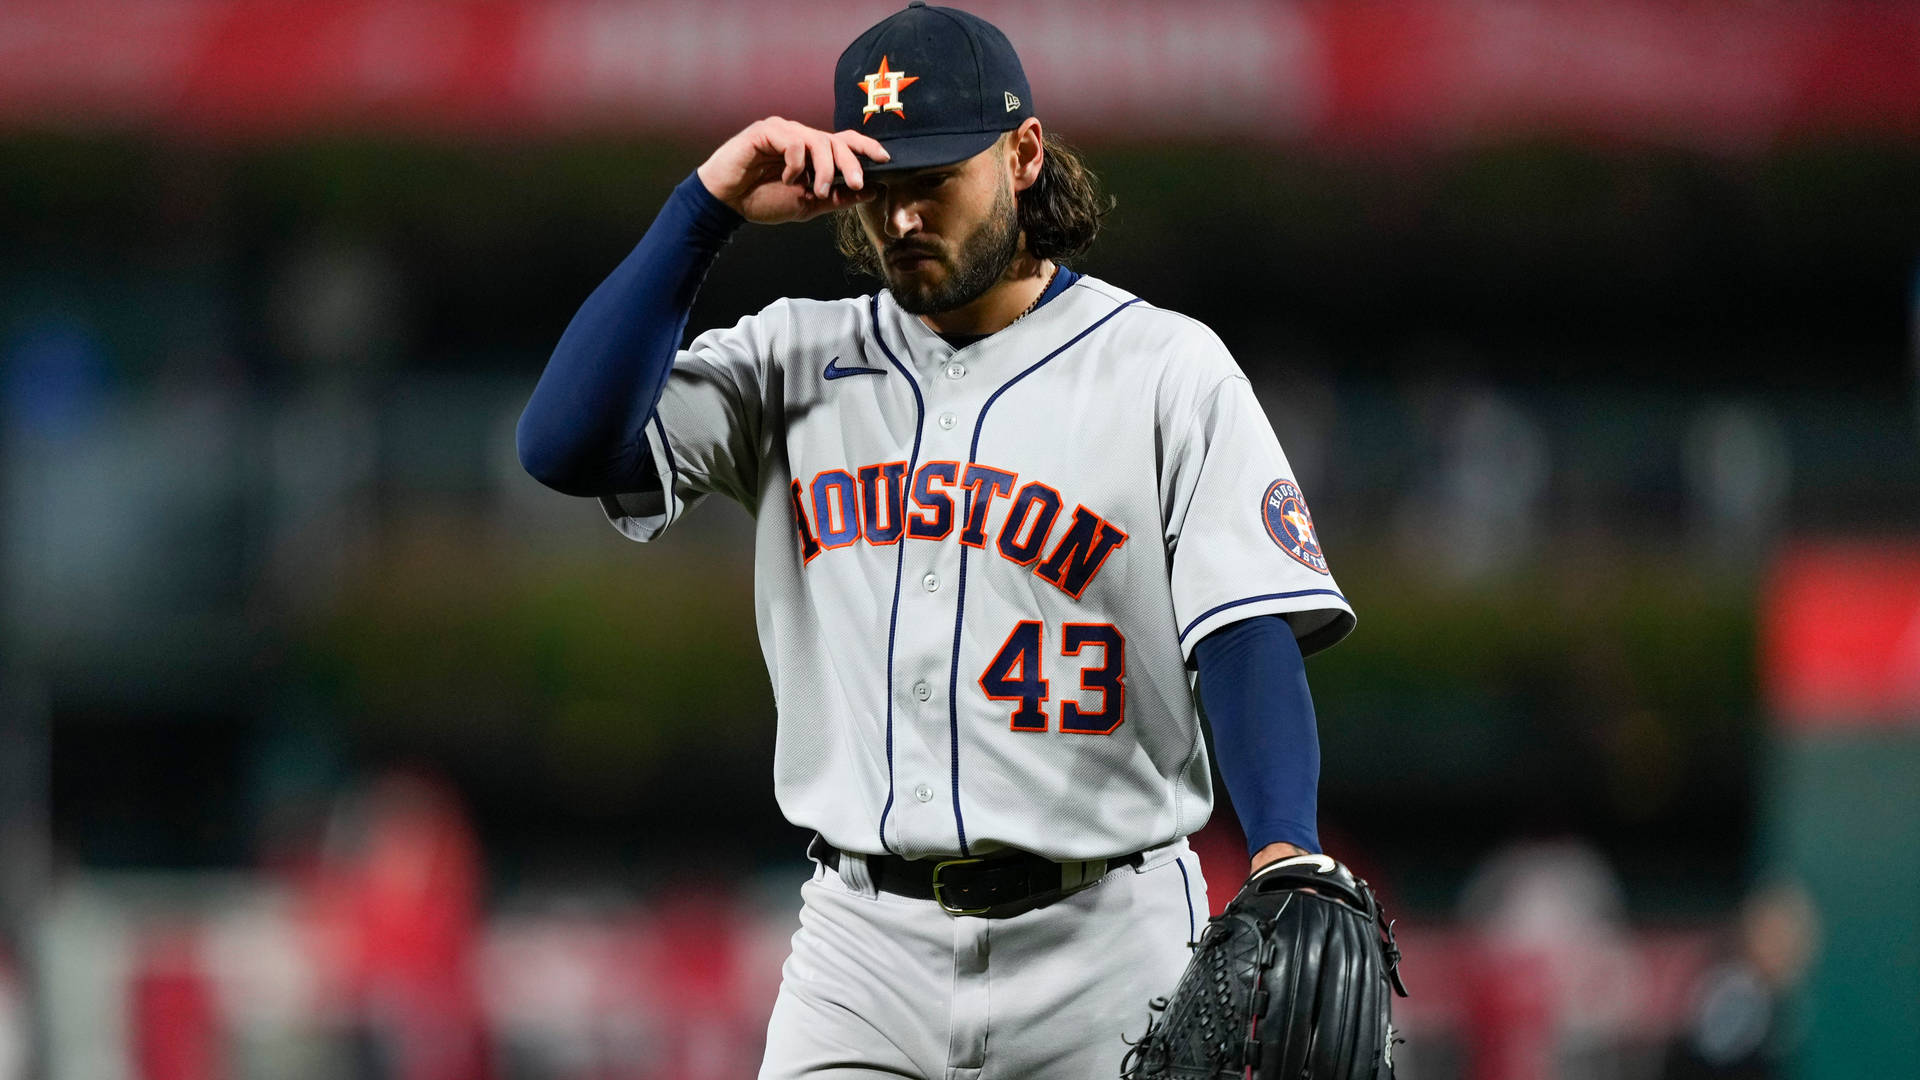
{"type": "Point", "coordinates": [926, 343]}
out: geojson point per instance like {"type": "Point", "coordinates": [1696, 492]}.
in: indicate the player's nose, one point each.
{"type": "Point", "coordinates": [902, 219]}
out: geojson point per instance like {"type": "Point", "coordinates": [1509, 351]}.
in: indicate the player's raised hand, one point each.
{"type": "Point", "coordinates": [780, 170]}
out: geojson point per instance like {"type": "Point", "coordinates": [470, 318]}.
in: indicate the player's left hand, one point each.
{"type": "Point", "coordinates": [1294, 979]}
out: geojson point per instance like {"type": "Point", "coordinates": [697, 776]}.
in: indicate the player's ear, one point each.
{"type": "Point", "coordinates": [1026, 151]}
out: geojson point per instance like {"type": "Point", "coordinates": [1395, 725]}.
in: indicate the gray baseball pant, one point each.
{"type": "Point", "coordinates": [880, 985]}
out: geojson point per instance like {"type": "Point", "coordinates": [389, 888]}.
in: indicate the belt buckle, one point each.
{"type": "Point", "coordinates": [939, 896]}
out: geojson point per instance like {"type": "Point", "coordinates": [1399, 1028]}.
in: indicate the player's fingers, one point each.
{"type": "Point", "coordinates": [763, 137]}
{"type": "Point", "coordinates": [849, 163]}
{"type": "Point", "coordinates": [764, 133]}
{"type": "Point", "coordinates": [795, 152]}
{"type": "Point", "coordinates": [865, 144]}
{"type": "Point", "coordinates": [820, 149]}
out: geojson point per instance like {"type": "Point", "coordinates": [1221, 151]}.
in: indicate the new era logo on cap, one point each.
{"type": "Point", "coordinates": [935, 85]}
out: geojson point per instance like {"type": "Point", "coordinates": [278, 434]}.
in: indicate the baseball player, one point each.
{"type": "Point", "coordinates": [1004, 512]}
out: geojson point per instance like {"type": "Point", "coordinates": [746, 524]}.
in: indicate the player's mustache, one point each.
{"type": "Point", "coordinates": [902, 248]}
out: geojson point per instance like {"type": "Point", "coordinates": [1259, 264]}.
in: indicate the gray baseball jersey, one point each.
{"type": "Point", "coordinates": [980, 572]}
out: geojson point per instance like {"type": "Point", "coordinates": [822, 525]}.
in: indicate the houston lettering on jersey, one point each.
{"type": "Point", "coordinates": [877, 504]}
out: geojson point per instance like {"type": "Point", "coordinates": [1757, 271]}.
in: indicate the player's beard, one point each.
{"type": "Point", "coordinates": [979, 265]}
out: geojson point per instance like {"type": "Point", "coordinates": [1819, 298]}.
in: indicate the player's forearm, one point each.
{"type": "Point", "coordinates": [581, 430]}
{"type": "Point", "coordinates": [1254, 685]}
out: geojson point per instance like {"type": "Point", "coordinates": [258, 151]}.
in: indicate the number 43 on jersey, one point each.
{"type": "Point", "coordinates": [1018, 673]}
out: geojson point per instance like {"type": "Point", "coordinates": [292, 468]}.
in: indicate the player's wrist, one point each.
{"type": "Point", "coordinates": [708, 214]}
{"type": "Point", "coordinates": [713, 183]}
{"type": "Point", "coordinates": [1274, 852]}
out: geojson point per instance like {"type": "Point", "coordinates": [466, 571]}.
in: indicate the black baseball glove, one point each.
{"type": "Point", "coordinates": [1291, 981]}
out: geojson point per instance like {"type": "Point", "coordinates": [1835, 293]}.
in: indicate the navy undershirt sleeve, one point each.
{"type": "Point", "coordinates": [583, 431]}
{"type": "Point", "coordinates": [1253, 683]}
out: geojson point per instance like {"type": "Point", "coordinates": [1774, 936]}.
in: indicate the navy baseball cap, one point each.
{"type": "Point", "coordinates": [934, 84]}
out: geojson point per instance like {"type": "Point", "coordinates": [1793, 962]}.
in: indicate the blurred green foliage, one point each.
{"type": "Point", "coordinates": [1630, 676]}
{"type": "Point", "coordinates": [1610, 695]}
{"type": "Point", "coordinates": [593, 676]}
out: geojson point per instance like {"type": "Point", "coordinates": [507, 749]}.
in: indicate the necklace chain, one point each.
{"type": "Point", "coordinates": [1043, 292]}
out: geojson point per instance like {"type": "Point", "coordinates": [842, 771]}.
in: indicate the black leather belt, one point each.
{"type": "Point", "coordinates": [1003, 883]}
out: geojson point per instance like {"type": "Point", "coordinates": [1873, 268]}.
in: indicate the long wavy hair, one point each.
{"type": "Point", "coordinates": [1060, 212]}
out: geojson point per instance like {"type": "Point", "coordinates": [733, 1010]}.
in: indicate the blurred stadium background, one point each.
{"type": "Point", "coordinates": [333, 746]}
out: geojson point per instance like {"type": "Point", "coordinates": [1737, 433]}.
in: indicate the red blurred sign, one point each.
{"type": "Point", "coordinates": [1840, 637]}
{"type": "Point", "coordinates": [1724, 74]}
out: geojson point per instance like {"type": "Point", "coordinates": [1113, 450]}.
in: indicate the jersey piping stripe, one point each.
{"type": "Point", "coordinates": [1186, 890]}
{"type": "Point", "coordinates": [673, 470]}
{"type": "Point", "coordinates": [900, 554]}
{"type": "Point", "coordinates": [1211, 612]}
{"type": "Point", "coordinates": [960, 603]}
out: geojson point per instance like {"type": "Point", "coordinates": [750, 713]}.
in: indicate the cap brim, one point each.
{"type": "Point", "coordinates": [931, 151]}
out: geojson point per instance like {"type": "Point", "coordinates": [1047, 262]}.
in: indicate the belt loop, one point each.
{"type": "Point", "coordinates": [856, 875]}
{"type": "Point", "coordinates": [816, 854]}
{"type": "Point", "coordinates": [817, 851]}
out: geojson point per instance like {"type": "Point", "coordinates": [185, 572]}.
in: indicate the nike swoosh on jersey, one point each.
{"type": "Point", "coordinates": [835, 371]}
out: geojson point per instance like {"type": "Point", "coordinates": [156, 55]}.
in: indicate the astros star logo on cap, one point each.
{"type": "Point", "coordinates": [883, 91]}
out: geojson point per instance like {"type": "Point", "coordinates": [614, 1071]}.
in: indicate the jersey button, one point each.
{"type": "Point", "coordinates": [947, 420]}
{"type": "Point", "coordinates": [932, 582]}
{"type": "Point", "coordinates": [923, 792]}
{"type": "Point", "coordinates": [922, 691]}
{"type": "Point", "coordinates": [956, 370]}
